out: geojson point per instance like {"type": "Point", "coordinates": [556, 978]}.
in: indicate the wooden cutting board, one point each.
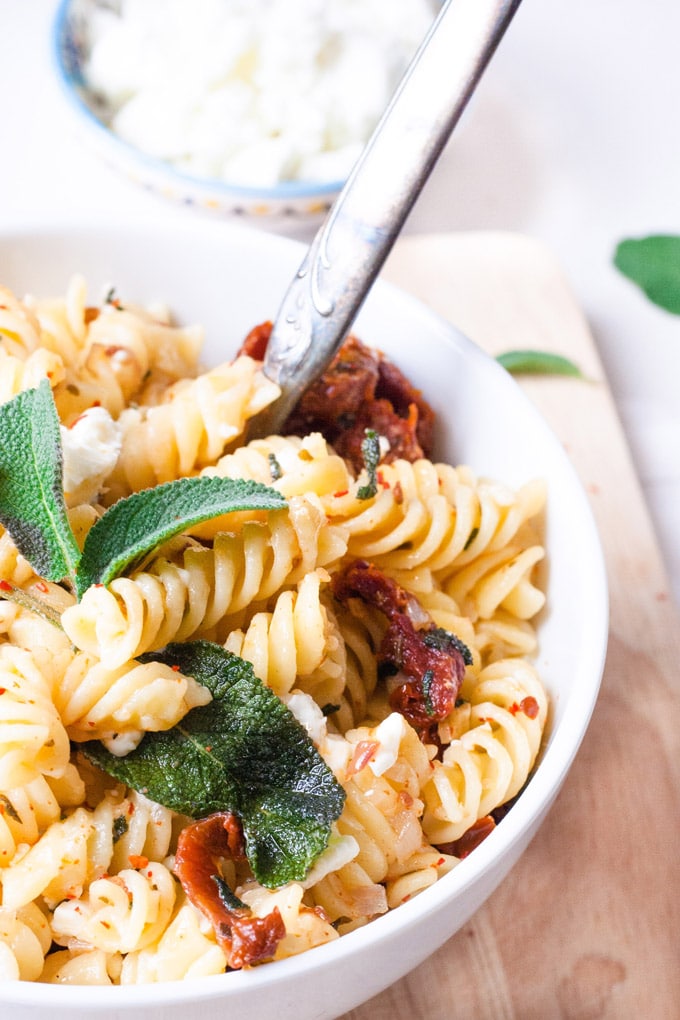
{"type": "Point", "coordinates": [587, 925]}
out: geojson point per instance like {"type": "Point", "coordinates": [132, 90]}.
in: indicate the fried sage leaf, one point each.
{"type": "Point", "coordinates": [243, 752]}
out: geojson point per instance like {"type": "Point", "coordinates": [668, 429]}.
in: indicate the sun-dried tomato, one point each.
{"type": "Point", "coordinates": [360, 389]}
{"type": "Point", "coordinates": [245, 939]}
{"type": "Point", "coordinates": [427, 664]}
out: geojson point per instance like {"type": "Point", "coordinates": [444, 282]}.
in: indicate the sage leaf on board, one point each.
{"type": "Point", "coordinates": [530, 362]}
{"type": "Point", "coordinates": [243, 752]}
{"type": "Point", "coordinates": [32, 506]}
{"type": "Point", "coordinates": [653, 263]}
{"type": "Point", "coordinates": [139, 523]}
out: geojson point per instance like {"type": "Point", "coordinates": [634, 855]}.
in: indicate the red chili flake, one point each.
{"type": "Point", "coordinates": [529, 706]}
{"type": "Point", "coordinates": [398, 494]}
{"type": "Point", "coordinates": [3, 690]}
{"type": "Point", "coordinates": [176, 668]}
{"type": "Point", "coordinates": [138, 862]}
{"type": "Point", "coordinates": [363, 753]}
{"type": "Point", "coordinates": [41, 586]}
{"type": "Point", "coordinates": [96, 403]}
{"type": "Point", "coordinates": [131, 808]}
{"type": "Point", "coordinates": [382, 480]}
{"type": "Point", "coordinates": [105, 924]}
{"type": "Point", "coordinates": [208, 747]}
{"type": "Point", "coordinates": [514, 708]}
{"type": "Point", "coordinates": [342, 492]}
{"type": "Point", "coordinates": [98, 585]}
{"type": "Point", "coordinates": [5, 586]}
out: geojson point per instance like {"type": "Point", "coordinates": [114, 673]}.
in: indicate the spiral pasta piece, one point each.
{"type": "Point", "coordinates": [119, 705]}
{"type": "Point", "coordinates": [297, 643]}
{"type": "Point", "coordinates": [28, 811]}
{"type": "Point", "coordinates": [361, 631]}
{"type": "Point", "coordinates": [193, 592]}
{"type": "Point", "coordinates": [33, 740]}
{"type": "Point", "coordinates": [110, 353]}
{"type": "Point", "coordinates": [499, 580]}
{"type": "Point", "coordinates": [25, 939]}
{"type": "Point", "coordinates": [17, 374]}
{"type": "Point", "coordinates": [432, 518]}
{"type": "Point", "coordinates": [125, 830]}
{"type": "Point", "coordinates": [187, 949]}
{"type": "Point", "coordinates": [19, 327]}
{"type": "Point", "coordinates": [80, 967]}
{"type": "Point", "coordinates": [14, 568]}
{"type": "Point", "coordinates": [191, 428]}
{"type": "Point", "coordinates": [62, 321]}
{"type": "Point", "coordinates": [290, 464]}
{"type": "Point", "coordinates": [54, 868]}
{"type": "Point", "coordinates": [119, 914]}
{"type": "Point", "coordinates": [148, 351]}
{"type": "Point", "coordinates": [496, 735]}
{"type": "Point", "coordinates": [127, 827]}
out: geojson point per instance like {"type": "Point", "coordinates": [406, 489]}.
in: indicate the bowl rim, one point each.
{"type": "Point", "coordinates": [545, 781]}
{"type": "Point", "coordinates": [73, 87]}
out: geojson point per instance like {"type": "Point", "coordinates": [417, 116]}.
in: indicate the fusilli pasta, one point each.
{"type": "Point", "coordinates": [88, 867]}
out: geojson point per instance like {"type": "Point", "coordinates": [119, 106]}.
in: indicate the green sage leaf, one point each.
{"type": "Point", "coordinates": [137, 524]}
{"type": "Point", "coordinates": [32, 506]}
{"type": "Point", "coordinates": [530, 362]}
{"type": "Point", "coordinates": [370, 450]}
{"type": "Point", "coordinates": [653, 263]}
{"type": "Point", "coordinates": [244, 752]}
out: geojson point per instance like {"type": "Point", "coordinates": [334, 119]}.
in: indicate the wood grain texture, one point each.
{"type": "Point", "coordinates": [586, 926]}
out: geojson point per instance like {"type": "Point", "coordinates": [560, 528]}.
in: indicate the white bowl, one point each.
{"type": "Point", "coordinates": [230, 279]}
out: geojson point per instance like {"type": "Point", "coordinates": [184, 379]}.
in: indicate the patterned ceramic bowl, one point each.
{"type": "Point", "coordinates": [286, 199]}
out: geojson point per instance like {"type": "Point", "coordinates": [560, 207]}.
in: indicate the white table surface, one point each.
{"type": "Point", "coordinates": [572, 138]}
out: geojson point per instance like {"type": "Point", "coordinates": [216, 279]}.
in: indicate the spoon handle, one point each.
{"type": "Point", "coordinates": [353, 242]}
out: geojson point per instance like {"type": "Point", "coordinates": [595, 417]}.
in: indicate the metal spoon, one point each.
{"type": "Point", "coordinates": [357, 235]}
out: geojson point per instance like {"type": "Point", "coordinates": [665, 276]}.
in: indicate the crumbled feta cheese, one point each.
{"type": "Point", "coordinates": [388, 735]}
{"type": "Point", "coordinates": [252, 91]}
{"type": "Point", "coordinates": [308, 714]}
{"type": "Point", "coordinates": [332, 747]}
{"type": "Point", "coordinates": [90, 448]}
{"type": "Point", "coordinates": [121, 744]}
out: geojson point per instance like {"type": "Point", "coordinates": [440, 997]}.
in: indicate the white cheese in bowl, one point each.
{"type": "Point", "coordinates": [252, 92]}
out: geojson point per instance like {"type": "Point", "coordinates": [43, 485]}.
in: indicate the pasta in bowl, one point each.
{"type": "Point", "coordinates": [403, 666]}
